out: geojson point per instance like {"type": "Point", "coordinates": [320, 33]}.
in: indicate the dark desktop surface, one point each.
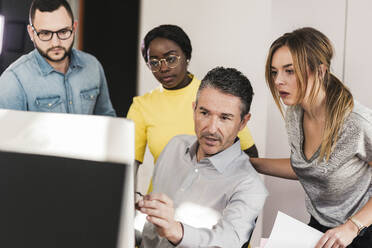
{"type": "Point", "coordinates": [48, 201]}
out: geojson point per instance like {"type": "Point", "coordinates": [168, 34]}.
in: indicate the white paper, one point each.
{"type": "Point", "coordinates": [291, 233]}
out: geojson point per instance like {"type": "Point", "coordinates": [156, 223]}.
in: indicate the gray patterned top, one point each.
{"type": "Point", "coordinates": [338, 188]}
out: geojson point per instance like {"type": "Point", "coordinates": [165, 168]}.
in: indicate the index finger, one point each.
{"type": "Point", "coordinates": [322, 241]}
{"type": "Point", "coordinates": [161, 197]}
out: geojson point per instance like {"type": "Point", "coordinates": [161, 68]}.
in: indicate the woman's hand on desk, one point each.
{"type": "Point", "coordinates": [338, 237]}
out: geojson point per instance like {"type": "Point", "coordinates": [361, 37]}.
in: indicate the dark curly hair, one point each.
{"type": "Point", "coordinates": [229, 81]}
{"type": "Point", "coordinates": [170, 32]}
{"type": "Point", "coordinates": [49, 6]}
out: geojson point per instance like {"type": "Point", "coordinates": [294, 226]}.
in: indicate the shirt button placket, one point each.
{"type": "Point", "coordinates": [68, 95]}
{"type": "Point", "coordinates": [189, 180]}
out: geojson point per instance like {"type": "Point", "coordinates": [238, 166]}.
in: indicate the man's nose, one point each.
{"type": "Point", "coordinates": [55, 40]}
{"type": "Point", "coordinates": [213, 125]}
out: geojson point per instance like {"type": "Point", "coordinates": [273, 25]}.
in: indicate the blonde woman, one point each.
{"type": "Point", "coordinates": [330, 136]}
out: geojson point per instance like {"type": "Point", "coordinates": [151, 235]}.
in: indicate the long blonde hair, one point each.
{"type": "Point", "coordinates": [310, 49]}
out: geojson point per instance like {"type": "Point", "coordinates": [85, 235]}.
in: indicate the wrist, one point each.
{"type": "Point", "coordinates": [177, 234]}
{"type": "Point", "coordinates": [352, 227]}
{"type": "Point", "coordinates": [359, 226]}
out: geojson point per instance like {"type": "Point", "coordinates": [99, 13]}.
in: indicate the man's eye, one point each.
{"type": "Point", "coordinates": [225, 118]}
{"type": "Point", "coordinates": [45, 33]}
{"type": "Point", "coordinates": [63, 31]}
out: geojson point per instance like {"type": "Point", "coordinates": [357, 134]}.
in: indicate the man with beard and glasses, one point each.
{"type": "Point", "coordinates": [205, 191]}
{"type": "Point", "coordinates": [55, 77]}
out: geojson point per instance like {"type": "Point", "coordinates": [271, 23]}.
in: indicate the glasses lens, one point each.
{"type": "Point", "coordinates": [154, 65]}
{"type": "Point", "coordinates": [45, 35]}
{"type": "Point", "coordinates": [64, 34]}
{"type": "Point", "coordinates": [172, 61]}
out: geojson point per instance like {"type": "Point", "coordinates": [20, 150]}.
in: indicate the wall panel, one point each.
{"type": "Point", "coordinates": [358, 52]}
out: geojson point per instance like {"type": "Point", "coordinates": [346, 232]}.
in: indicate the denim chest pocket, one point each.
{"type": "Point", "coordinates": [88, 100]}
{"type": "Point", "coordinates": [49, 104]}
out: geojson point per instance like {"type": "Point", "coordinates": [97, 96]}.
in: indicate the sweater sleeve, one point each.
{"type": "Point", "coordinates": [135, 114]}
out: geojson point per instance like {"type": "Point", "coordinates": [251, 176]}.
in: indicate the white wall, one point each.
{"type": "Point", "coordinates": [238, 34]}
{"type": "Point", "coordinates": [358, 51]}
{"type": "Point", "coordinates": [75, 4]}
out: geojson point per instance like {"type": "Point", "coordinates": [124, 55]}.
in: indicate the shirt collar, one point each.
{"type": "Point", "coordinates": [191, 149]}
{"type": "Point", "coordinates": [220, 160]}
{"type": "Point", "coordinates": [46, 68]}
{"type": "Point", "coordinates": [76, 61]}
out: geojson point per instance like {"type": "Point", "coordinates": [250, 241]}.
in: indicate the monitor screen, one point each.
{"type": "Point", "coordinates": [50, 201]}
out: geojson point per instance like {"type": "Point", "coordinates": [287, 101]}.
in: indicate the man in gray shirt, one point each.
{"type": "Point", "coordinates": [205, 191]}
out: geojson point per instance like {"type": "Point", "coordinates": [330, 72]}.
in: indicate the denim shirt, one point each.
{"type": "Point", "coordinates": [32, 84]}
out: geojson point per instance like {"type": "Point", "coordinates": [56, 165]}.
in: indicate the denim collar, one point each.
{"type": "Point", "coordinates": [46, 68]}
{"type": "Point", "coordinates": [220, 160]}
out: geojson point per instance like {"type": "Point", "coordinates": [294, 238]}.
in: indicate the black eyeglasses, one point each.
{"type": "Point", "coordinates": [171, 61]}
{"type": "Point", "coordinates": [47, 35]}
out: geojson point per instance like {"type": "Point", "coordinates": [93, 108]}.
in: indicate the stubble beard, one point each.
{"type": "Point", "coordinates": [67, 52]}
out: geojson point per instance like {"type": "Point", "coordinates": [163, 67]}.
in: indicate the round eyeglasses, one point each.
{"type": "Point", "coordinates": [47, 35]}
{"type": "Point", "coordinates": [171, 61]}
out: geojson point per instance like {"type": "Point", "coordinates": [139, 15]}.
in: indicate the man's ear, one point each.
{"type": "Point", "coordinates": [30, 32]}
{"type": "Point", "coordinates": [244, 121]}
{"type": "Point", "coordinates": [194, 111]}
{"type": "Point", "coordinates": [75, 25]}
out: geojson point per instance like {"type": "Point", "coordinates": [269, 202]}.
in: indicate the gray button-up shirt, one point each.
{"type": "Point", "coordinates": [216, 199]}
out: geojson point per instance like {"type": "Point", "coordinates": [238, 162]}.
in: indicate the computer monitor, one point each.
{"type": "Point", "coordinates": [66, 180]}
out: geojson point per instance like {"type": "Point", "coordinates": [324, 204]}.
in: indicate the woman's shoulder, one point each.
{"type": "Point", "coordinates": [358, 122]}
{"type": "Point", "coordinates": [361, 113]}
{"type": "Point", "coordinates": [195, 80]}
{"type": "Point", "coordinates": [293, 114]}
